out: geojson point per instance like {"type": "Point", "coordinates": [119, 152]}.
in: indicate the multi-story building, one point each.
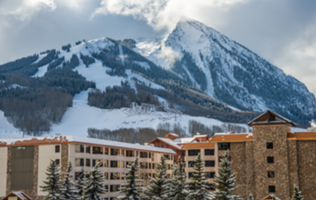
{"type": "Point", "coordinates": [269, 161]}
{"type": "Point", "coordinates": [23, 161]}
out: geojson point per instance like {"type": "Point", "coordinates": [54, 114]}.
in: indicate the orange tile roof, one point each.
{"type": "Point", "coordinates": [231, 138]}
{"type": "Point", "coordinates": [199, 145]}
{"type": "Point", "coordinates": [301, 136]}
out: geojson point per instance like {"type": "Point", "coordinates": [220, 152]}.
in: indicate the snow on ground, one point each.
{"type": "Point", "coordinates": [6, 128]}
{"type": "Point", "coordinates": [41, 71]}
{"type": "Point", "coordinates": [97, 73]}
{"type": "Point", "coordinates": [81, 116]}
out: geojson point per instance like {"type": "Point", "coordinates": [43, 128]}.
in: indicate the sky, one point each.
{"type": "Point", "coordinates": [281, 31]}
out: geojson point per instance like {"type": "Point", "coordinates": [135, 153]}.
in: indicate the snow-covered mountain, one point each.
{"type": "Point", "coordinates": [228, 71]}
{"type": "Point", "coordinates": [194, 71]}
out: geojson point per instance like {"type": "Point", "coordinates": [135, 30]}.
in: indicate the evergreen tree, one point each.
{"type": "Point", "coordinates": [52, 183]}
{"type": "Point", "coordinates": [158, 187]}
{"type": "Point", "coordinates": [225, 181]}
{"type": "Point", "coordinates": [198, 187]}
{"type": "Point", "coordinates": [80, 182]}
{"type": "Point", "coordinates": [250, 197]}
{"type": "Point", "coordinates": [297, 194]}
{"type": "Point", "coordinates": [177, 183]}
{"type": "Point", "coordinates": [93, 186]}
{"type": "Point", "coordinates": [132, 188]}
{"type": "Point", "coordinates": [68, 189]}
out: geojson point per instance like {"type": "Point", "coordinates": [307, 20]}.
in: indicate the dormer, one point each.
{"type": "Point", "coordinates": [172, 136]}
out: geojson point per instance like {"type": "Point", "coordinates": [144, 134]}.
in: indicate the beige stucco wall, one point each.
{"type": "Point", "coordinates": [204, 158]}
{"type": "Point", "coordinates": [3, 170]}
{"type": "Point", "coordinates": [73, 155]}
{"type": "Point", "coordinates": [46, 153]}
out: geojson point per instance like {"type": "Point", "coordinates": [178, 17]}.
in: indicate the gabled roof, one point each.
{"type": "Point", "coordinates": [301, 136]}
{"type": "Point", "coordinates": [270, 196]}
{"type": "Point", "coordinates": [270, 117]}
{"type": "Point", "coordinates": [19, 194]}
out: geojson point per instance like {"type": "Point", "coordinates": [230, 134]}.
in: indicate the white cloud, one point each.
{"type": "Point", "coordinates": [24, 10]}
{"type": "Point", "coordinates": [299, 58]}
{"type": "Point", "coordinates": [159, 14]}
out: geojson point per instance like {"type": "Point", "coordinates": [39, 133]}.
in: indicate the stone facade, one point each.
{"type": "Point", "coordinates": [238, 155]}
{"type": "Point", "coordinates": [64, 158]}
{"type": "Point", "coordinates": [32, 193]}
{"type": "Point", "coordinates": [307, 168]}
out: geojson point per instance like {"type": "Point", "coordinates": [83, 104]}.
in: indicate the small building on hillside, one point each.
{"type": "Point", "coordinates": [17, 195]}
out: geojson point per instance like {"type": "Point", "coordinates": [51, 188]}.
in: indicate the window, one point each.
{"type": "Point", "coordinates": [209, 152]}
{"type": "Point", "coordinates": [115, 164]}
{"type": "Point", "coordinates": [168, 157]}
{"type": "Point", "coordinates": [190, 163]}
{"type": "Point", "coordinates": [149, 155]}
{"type": "Point", "coordinates": [77, 175]}
{"type": "Point", "coordinates": [183, 153]}
{"type": "Point", "coordinates": [57, 148]}
{"type": "Point", "coordinates": [114, 188]}
{"type": "Point", "coordinates": [143, 154]}
{"type": "Point", "coordinates": [270, 174]}
{"type": "Point", "coordinates": [97, 161]}
{"type": "Point", "coordinates": [57, 161]}
{"type": "Point", "coordinates": [270, 159]}
{"type": "Point", "coordinates": [115, 176]}
{"type": "Point", "coordinates": [162, 146]}
{"type": "Point", "coordinates": [107, 188]}
{"type": "Point", "coordinates": [122, 176]}
{"type": "Point", "coordinates": [130, 153]}
{"type": "Point", "coordinates": [209, 163]}
{"type": "Point", "coordinates": [79, 148]}
{"type": "Point", "coordinates": [88, 149]}
{"type": "Point", "coordinates": [144, 165]}
{"type": "Point", "coordinates": [114, 152]}
{"type": "Point", "coordinates": [168, 176]}
{"type": "Point", "coordinates": [122, 152]}
{"type": "Point", "coordinates": [190, 174]}
{"type": "Point", "coordinates": [168, 166]}
{"type": "Point", "coordinates": [269, 145]}
{"type": "Point", "coordinates": [223, 146]}
{"type": "Point", "coordinates": [271, 188]}
{"type": "Point", "coordinates": [97, 150]}
{"type": "Point", "coordinates": [210, 174]}
{"type": "Point", "coordinates": [128, 163]}
{"type": "Point", "coordinates": [122, 164]}
{"type": "Point", "coordinates": [153, 165]}
{"type": "Point", "coordinates": [106, 163]}
{"type": "Point", "coordinates": [88, 162]}
{"type": "Point", "coordinates": [149, 165]}
{"type": "Point", "coordinates": [106, 176]}
{"type": "Point", "coordinates": [79, 162]}
{"type": "Point", "coordinates": [106, 151]}
{"type": "Point", "coordinates": [194, 152]}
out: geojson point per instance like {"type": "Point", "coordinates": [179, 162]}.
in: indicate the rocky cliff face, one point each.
{"type": "Point", "coordinates": [228, 71]}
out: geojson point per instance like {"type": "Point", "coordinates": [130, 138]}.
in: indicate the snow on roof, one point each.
{"type": "Point", "coordinates": [184, 140]}
{"type": "Point", "coordinates": [80, 139]}
{"type": "Point", "coordinates": [21, 195]}
{"type": "Point", "coordinates": [171, 142]}
{"type": "Point", "coordinates": [174, 134]}
{"type": "Point", "coordinates": [120, 144]}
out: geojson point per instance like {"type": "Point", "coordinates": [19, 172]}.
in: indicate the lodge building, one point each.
{"type": "Point", "coordinates": [23, 162]}
{"type": "Point", "coordinates": [267, 162]}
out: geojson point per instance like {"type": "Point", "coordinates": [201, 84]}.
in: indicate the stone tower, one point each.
{"type": "Point", "coordinates": [271, 159]}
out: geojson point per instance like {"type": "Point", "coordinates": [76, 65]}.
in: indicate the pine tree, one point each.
{"type": "Point", "coordinates": [225, 181]}
{"type": "Point", "coordinates": [177, 183]}
{"type": "Point", "coordinates": [158, 187]}
{"type": "Point", "coordinates": [93, 186]}
{"type": "Point", "coordinates": [68, 189]}
{"type": "Point", "coordinates": [52, 183]}
{"type": "Point", "coordinates": [80, 182]}
{"type": "Point", "coordinates": [250, 197]}
{"type": "Point", "coordinates": [297, 194]}
{"type": "Point", "coordinates": [198, 187]}
{"type": "Point", "coordinates": [132, 189]}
